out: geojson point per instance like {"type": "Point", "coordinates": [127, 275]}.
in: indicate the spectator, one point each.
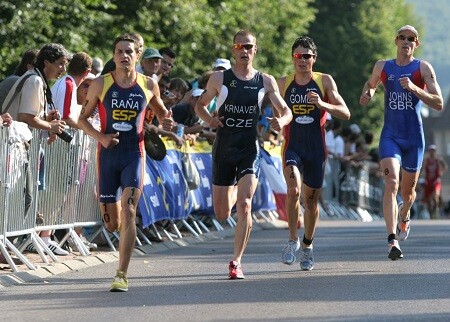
{"type": "Point", "coordinates": [65, 93]}
{"type": "Point", "coordinates": [64, 90]}
{"type": "Point", "coordinates": [151, 62]}
{"type": "Point", "coordinates": [30, 107]}
{"type": "Point", "coordinates": [178, 87]}
{"type": "Point", "coordinates": [167, 61]}
{"type": "Point", "coordinates": [221, 64]}
{"type": "Point", "coordinates": [26, 63]}
{"type": "Point", "coordinates": [97, 66]}
{"type": "Point", "coordinates": [5, 119]}
{"type": "Point", "coordinates": [434, 166]}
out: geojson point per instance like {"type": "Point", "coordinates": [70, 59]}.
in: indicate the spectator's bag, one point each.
{"type": "Point", "coordinates": [154, 146]}
{"type": "Point", "coordinates": [190, 171]}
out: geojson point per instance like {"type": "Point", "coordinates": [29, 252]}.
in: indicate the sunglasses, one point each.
{"type": "Point", "coordinates": [411, 38]}
{"type": "Point", "coordinates": [85, 85]}
{"type": "Point", "coordinates": [246, 46]}
{"type": "Point", "coordinates": [305, 56]}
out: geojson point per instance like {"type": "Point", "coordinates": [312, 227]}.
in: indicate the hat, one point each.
{"type": "Point", "coordinates": [409, 28]}
{"type": "Point", "coordinates": [431, 147]}
{"type": "Point", "coordinates": [222, 63]}
{"type": "Point", "coordinates": [90, 76]}
{"type": "Point", "coordinates": [97, 63]}
{"type": "Point", "coordinates": [154, 146]}
{"type": "Point", "coordinates": [151, 53]}
{"type": "Point", "coordinates": [197, 92]}
{"type": "Point", "coordinates": [355, 128]}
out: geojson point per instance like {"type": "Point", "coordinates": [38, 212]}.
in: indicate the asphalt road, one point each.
{"type": "Point", "coordinates": [353, 280]}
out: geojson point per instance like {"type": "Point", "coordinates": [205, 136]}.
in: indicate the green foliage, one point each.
{"type": "Point", "coordinates": [199, 31]}
{"type": "Point", "coordinates": [434, 38]}
{"type": "Point", "coordinates": [33, 23]}
{"type": "Point", "coordinates": [351, 36]}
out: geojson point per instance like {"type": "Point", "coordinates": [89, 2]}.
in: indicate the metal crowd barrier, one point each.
{"type": "Point", "coordinates": [65, 195]}
{"type": "Point", "coordinates": [354, 192]}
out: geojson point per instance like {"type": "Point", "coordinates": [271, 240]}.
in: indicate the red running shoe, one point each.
{"type": "Point", "coordinates": [235, 271]}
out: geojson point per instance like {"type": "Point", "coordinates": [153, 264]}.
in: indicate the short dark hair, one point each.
{"type": "Point", "coordinates": [51, 52]}
{"type": "Point", "coordinates": [79, 64]}
{"type": "Point", "coordinates": [169, 52]}
{"type": "Point", "coordinates": [126, 37]}
{"type": "Point", "coordinates": [305, 42]}
{"type": "Point", "coordinates": [244, 33]}
{"type": "Point", "coordinates": [28, 58]}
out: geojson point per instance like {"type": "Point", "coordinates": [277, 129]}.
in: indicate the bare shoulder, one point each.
{"type": "Point", "coordinates": [269, 82]}
{"type": "Point", "coordinates": [379, 65]}
{"type": "Point", "coordinates": [426, 67]}
{"type": "Point", "coordinates": [151, 83]}
{"type": "Point", "coordinates": [97, 85]}
{"type": "Point", "coordinates": [216, 78]}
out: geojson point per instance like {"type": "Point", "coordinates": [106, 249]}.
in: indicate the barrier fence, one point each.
{"type": "Point", "coordinates": [59, 181]}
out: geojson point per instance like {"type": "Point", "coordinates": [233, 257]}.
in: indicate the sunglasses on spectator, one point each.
{"type": "Point", "coordinates": [246, 46]}
{"type": "Point", "coordinates": [411, 38]}
{"type": "Point", "coordinates": [300, 56]}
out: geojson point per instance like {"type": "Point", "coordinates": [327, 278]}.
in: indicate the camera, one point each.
{"type": "Point", "coordinates": [65, 136]}
{"type": "Point", "coordinates": [169, 94]}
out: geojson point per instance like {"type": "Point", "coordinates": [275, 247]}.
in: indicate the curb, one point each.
{"type": "Point", "coordinates": [82, 262]}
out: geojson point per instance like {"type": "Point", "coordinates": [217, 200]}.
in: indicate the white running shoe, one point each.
{"type": "Point", "coordinates": [54, 247]}
{"type": "Point", "coordinates": [307, 260]}
{"type": "Point", "coordinates": [288, 255]}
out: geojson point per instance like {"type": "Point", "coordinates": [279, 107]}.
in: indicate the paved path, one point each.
{"type": "Point", "coordinates": [353, 280]}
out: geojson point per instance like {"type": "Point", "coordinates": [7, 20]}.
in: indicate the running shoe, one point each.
{"type": "Point", "coordinates": [288, 255]}
{"type": "Point", "coordinates": [86, 243]}
{"type": "Point", "coordinates": [394, 250]}
{"type": "Point", "coordinates": [120, 283]}
{"type": "Point", "coordinates": [235, 271]}
{"type": "Point", "coordinates": [307, 260]}
{"type": "Point", "coordinates": [403, 226]}
{"type": "Point", "coordinates": [52, 245]}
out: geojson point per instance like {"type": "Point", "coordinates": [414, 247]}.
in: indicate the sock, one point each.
{"type": "Point", "coordinates": [391, 237]}
{"type": "Point", "coordinates": [307, 242]}
{"type": "Point", "coordinates": [46, 239]}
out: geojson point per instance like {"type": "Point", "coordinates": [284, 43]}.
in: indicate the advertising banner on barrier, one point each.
{"type": "Point", "coordinates": [271, 165]}
{"type": "Point", "coordinates": [165, 192]}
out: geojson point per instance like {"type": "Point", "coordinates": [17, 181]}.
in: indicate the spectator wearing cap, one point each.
{"type": "Point", "coordinates": [411, 82]}
{"type": "Point", "coordinates": [221, 64]}
{"type": "Point", "coordinates": [151, 62]}
{"type": "Point", "coordinates": [97, 66]}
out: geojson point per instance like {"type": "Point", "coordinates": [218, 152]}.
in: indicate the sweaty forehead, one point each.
{"type": "Point", "coordinates": [249, 39]}
{"type": "Point", "coordinates": [125, 45]}
{"type": "Point", "coordinates": [407, 33]}
{"type": "Point", "coordinates": [303, 50]}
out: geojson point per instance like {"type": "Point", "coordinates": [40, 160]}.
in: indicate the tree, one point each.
{"type": "Point", "coordinates": [351, 36]}
{"type": "Point", "coordinates": [199, 31]}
